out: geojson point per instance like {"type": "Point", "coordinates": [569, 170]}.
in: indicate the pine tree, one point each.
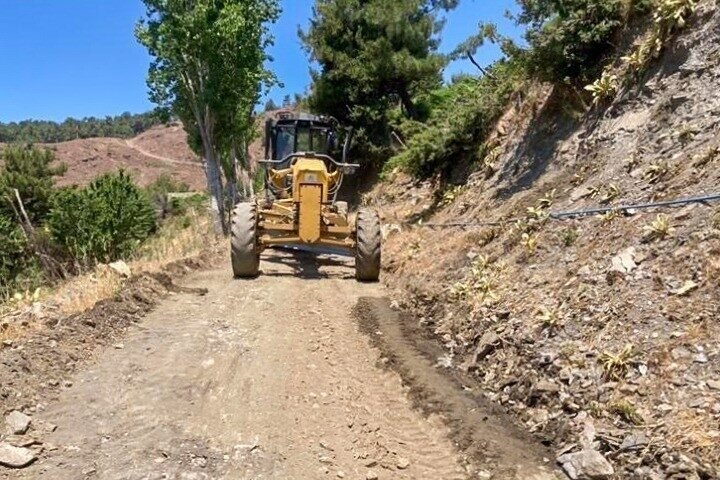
{"type": "Point", "coordinates": [27, 170]}
{"type": "Point", "coordinates": [374, 54]}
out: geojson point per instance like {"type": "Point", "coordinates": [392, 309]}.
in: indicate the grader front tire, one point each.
{"type": "Point", "coordinates": [367, 253]}
{"type": "Point", "coordinates": [243, 241]}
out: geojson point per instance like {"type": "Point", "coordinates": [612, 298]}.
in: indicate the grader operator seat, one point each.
{"type": "Point", "coordinates": [300, 207]}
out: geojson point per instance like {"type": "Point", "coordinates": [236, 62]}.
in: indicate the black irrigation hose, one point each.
{"type": "Point", "coordinates": [580, 213]}
{"type": "Point", "coordinates": [639, 206]}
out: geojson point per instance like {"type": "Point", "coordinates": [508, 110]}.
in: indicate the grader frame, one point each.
{"type": "Point", "coordinates": [300, 206]}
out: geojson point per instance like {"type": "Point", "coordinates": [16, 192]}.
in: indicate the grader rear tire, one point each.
{"type": "Point", "coordinates": [243, 241]}
{"type": "Point", "coordinates": [367, 253]}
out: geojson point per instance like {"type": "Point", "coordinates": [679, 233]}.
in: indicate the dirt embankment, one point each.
{"type": "Point", "coordinates": [602, 327]}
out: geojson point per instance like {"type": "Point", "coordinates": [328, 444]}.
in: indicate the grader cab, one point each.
{"type": "Point", "coordinates": [300, 204]}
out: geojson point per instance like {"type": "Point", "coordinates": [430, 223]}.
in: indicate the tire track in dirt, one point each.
{"type": "Point", "coordinates": [482, 431]}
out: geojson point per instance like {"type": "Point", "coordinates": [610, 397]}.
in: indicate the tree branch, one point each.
{"type": "Point", "coordinates": [484, 72]}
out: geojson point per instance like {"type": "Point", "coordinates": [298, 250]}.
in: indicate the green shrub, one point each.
{"type": "Point", "coordinates": [27, 169]}
{"type": "Point", "coordinates": [159, 193]}
{"type": "Point", "coordinates": [106, 221]}
{"type": "Point", "coordinates": [13, 257]}
{"type": "Point", "coordinates": [570, 39]}
{"type": "Point", "coordinates": [461, 116]}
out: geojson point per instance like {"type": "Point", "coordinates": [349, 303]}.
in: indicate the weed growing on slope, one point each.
{"type": "Point", "coordinates": [659, 228]}
{"type": "Point", "coordinates": [626, 411]}
{"type": "Point", "coordinates": [569, 236]}
{"type": "Point", "coordinates": [603, 88]}
{"type": "Point", "coordinates": [616, 365]}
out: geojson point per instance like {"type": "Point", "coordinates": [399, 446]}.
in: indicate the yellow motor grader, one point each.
{"type": "Point", "coordinates": [300, 206]}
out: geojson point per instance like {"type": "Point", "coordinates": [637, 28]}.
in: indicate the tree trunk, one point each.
{"type": "Point", "coordinates": [233, 180]}
{"type": "Point", "coordinates": [408, 103]}
{"type": "Point", "coordinates": [215, 185]}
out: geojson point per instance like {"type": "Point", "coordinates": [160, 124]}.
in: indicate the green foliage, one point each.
{"type": "Point", "coordinates": [27, 170]}
{"type": "Point", "coordinates": [603, 88]}
{"type": "Point", "coordinates": [461, 116]}
{"type": "Point", "coordinates": [569, 39]}
{"type": "Point", "coordinates": [209, 58]}
{"type": "Point", "coordinates": [159, 193]}
{"type": "Point", "coordinates": [569, 237]}
{"type": "Point", "coordinates": [38, 131]}
{"type": "Point", "coordinates": [374, 55]}
{"type": "Point", "coordinates": [13, 259]}
{"type": "Point", "coordinates": [208, 68]}
{"type": "Point", "coordinates": [103, 222]}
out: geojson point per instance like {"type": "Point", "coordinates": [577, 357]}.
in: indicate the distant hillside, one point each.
{"type": "Point", "coordinates": [160, 150]}
{"type": "Point", "coordinates": [126, 125]}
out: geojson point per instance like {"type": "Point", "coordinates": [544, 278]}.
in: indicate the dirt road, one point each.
{"type": "Point", "coordinates": [271, 378]}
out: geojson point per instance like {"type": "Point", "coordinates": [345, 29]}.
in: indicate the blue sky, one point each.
{"type": "Point", "coordinates": [77, 58]}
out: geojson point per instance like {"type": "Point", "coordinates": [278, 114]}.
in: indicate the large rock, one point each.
{"type": "Point", "coordinates": [17, 422]}
{"type": "Point", "coordinates": [15, 457]}
{"type": "Point", "coordinates": [587, 464]}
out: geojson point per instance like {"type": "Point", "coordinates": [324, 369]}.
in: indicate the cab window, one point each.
{"type": "Point", "coordinates": [285, 143]}
{"type": "Point", "coordinates": [303, 139]}
{"type": "Point", "coordinates": [320, 140]}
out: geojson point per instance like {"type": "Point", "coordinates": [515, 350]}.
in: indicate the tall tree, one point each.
{"type": "Point", "coordinates": [208, 68]}
{"type": "Point", "coordinates": [372, 54]}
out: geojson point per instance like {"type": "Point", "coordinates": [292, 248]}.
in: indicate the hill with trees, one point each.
{"type": "Point", "coordinates": [126, 125]}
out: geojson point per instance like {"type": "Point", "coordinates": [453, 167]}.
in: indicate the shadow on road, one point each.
{"type": "Point", "coordinates": [306, 265]}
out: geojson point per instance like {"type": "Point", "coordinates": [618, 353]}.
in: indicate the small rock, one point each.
{"type": "Point", "coordinates": [371, 475]}
{"type": "Point", "coordinates": [340, 474]}
{"type": "Point", "coordinates": [487, 344]}
{"type": "Point", "coordinates": [624, 261]}
{"type": "Point", "coordinates": [713, 384]}
{"type": "Point", "coordinates": [18, 422]}
{"type": "Point", "coordinates": [403, 463]}
{"type": "Point", "coordinates": [687, 287]}
{"type": "Point", "coordinates": [15, 457]}
{"type": "Point", "coordinates": [700, 358]}
{"type": "Point", "coordinates": [586, 465]}
{"type": "Point", "coordinates": [121, 268]}
{"type": "Point", "coordinates": [545, 386]}
{"type": "Point", "coordinates": [634, 440]}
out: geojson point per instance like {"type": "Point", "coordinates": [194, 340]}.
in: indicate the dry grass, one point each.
{"type": "Point", "coordinates": [179, 238]}
{"type": "Point", "coordinates": [694, 431]}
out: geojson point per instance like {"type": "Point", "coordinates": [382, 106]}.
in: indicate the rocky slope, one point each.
{"type": "Point", "coordinates": [599, 333]}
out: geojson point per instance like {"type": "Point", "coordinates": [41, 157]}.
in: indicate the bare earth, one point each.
{"type": "Point", "coordinates": [270, 378]}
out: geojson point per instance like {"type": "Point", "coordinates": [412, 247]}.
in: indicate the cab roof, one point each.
{"type": "Point", "coordinates": [289, 117]}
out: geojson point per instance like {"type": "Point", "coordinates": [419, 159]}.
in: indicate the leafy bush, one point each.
{"type": "Point", "coordinates": [461, 116]}
{"type": "Point", "coordinates": [13, 258]}
{"type": "Point", "coordinates": [570, 39]}
{"type": "Point", "coordinates": [105, 221]}
{"type": "Point", "coordinates": [159, 193]}
{"type": "Point", "coordinates": [28, 170]}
